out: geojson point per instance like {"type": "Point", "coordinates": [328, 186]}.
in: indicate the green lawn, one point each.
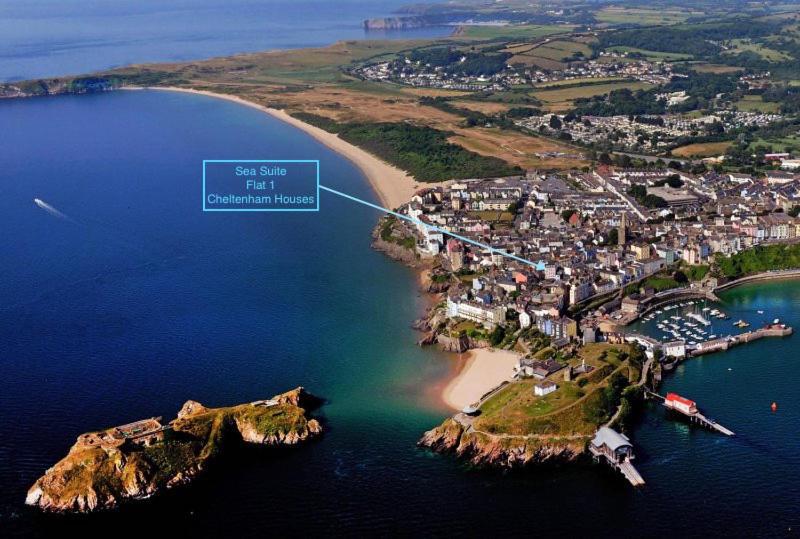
{"type": "Point", "coordinates": [572, 409]}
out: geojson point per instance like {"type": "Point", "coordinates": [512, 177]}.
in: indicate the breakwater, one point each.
{"type": "Point", "coordinates": [720, 345]}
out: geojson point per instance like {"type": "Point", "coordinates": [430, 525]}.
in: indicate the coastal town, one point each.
{"type": "Point", "coordinates": [579, 255]}
{"type": "Point", "coordinates": [555, 266]}
{"type": "Point", "coordinates": [457, 72]}
{"type": "Point", "coordinates": [584, 194]}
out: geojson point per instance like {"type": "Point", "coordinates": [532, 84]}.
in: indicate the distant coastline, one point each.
{"type": "Point", "coordinates": [393, 186]}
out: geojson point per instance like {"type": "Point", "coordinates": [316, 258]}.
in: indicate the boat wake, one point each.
{"type": "Point", "coordinates": [51, 210]}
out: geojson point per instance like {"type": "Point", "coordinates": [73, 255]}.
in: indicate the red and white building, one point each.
{"type": "Point", "coordinates": [681, 404]}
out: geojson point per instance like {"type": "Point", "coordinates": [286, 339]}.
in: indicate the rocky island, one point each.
{"type": "Point", "coordinates": [138, 460]}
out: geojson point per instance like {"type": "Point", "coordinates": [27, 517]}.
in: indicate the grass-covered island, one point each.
{"type": "Point", "coordinates": [141, 459]}
{"type": "Point", "coordinates": [550, 411]}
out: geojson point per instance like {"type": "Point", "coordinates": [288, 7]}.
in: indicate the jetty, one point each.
{"type": "Point", "coordinates": [717, 345]}
{"type": "Point", "coordinates": [688, 408]}
{"type": "Point", "coordinates": [617, 450]}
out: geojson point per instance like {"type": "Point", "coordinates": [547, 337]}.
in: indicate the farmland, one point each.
{"type": "Point", "coordinates": [755, 103]}
{"type": "Point", "coordinates": [561, 99]}
{"type": "Point", "coordinates": [703, 149]}
{"type": "Point", "coordinates": [643, 16]}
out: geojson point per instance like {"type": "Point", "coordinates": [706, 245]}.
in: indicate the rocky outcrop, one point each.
{"type": "Point", "coordinates": [103, 470]}
{"type": "Point", "coordinates": [460, 344]}
{"type": "Point", "coordinates": [397, 252]}
{"type": "Point", "coordinates": [481, 449]}
{"type": "Point", "coordinates": [67, 85]}
{"type": "Point", "coordinates": [395, 23]}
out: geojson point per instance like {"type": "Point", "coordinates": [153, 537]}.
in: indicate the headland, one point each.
{"type": "Point", "coordinates": [141, 459]}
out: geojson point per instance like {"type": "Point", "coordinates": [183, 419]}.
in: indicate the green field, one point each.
{"type": "Point", "coordinates": [559, 49]}
{"type": "Point", "coordinates": [778, 144]}
{"type": "Point", "coordinates": [713, 68]}
{"type": "Point", "coordinates": [523, 31]}
{"type": "Point", "coordinates": [653, 55]}
{"type": "Point", "coordinates": [643, 16]}
{"type": "Point", "coordinates": [560, 99]}
{"type": "Point", "coordinates": [579, 81]}
{"type": "Point", "coordinates": [576, 407]}
{"type": "Point", "coordinates": [770, 55]}
{"type": "Point", "coordinates": [754, 103]}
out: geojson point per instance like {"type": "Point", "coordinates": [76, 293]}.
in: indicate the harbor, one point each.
{"type": "Point", "coordinates": [696, 327]}
{"type": "Point", "coordinates": [671, 333]}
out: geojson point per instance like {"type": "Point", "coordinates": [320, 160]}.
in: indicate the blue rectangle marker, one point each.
{"type": "Point", "coordinates": [260, 185]}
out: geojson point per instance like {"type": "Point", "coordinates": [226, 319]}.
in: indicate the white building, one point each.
{"type": "Point", "coordinates": [544, 388]}
{"type": "Point", "coordinates": [790, 164]}
{"type": "Point", "coordinates": [524, 320]}
{"type": "Point", "coordinates": [675, 349]}
{"type": "Point", "coordinates": [488, 315]}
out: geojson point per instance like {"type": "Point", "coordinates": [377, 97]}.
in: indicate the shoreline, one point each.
{"type": "Point", "coordinates": [394, 187]}
{"type": "Point", "coordinates": [483, 370]}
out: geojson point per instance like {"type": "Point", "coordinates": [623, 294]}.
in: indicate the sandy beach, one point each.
{"type": "Point", "coordinates": [393, 186]}
{"type": "Point", "coordinates": [485, 368]}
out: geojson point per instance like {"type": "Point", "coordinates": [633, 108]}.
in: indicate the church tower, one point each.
{"type": "Point", "coordinates": [621, 233]}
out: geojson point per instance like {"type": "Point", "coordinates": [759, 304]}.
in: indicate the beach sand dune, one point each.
{"type": "Point", "coordinates": [393, 186]}
{"type": "Point", "coordinates": [484, 369]}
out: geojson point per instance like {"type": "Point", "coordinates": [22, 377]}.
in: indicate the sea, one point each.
{"type": "Point", "coordinates": [120, 299]}
{"type": "Point", "coordinates": [45, 38]}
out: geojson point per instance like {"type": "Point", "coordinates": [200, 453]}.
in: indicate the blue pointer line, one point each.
{"type": "Point", "coordinates": [418, 222]}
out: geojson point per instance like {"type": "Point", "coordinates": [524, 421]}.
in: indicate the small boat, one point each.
{"type": "Point", "coordinates": [712, 336]}
{"type": "Point", "coordinates": [741, 324]}
{"type": "Point", "coordinates": [760, 312]}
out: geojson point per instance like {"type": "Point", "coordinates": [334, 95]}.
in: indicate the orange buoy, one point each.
{"type": "Point", "coordinates": [774, 406]}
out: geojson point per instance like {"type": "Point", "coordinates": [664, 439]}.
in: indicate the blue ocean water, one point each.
{"type": "Point", "coordinates": [134, 301]}
{"type": "Point", "coordinates": [44, 38]}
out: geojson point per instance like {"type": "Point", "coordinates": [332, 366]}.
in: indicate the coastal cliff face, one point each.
{"type": "Point", "coordinates": [96, 476]}
{"type": "Point", "coordinates": [44, 87]}
{"type": "Point", "coordinates": [396, 23]}
{"type": "Point", "coordinates": [502, 452]}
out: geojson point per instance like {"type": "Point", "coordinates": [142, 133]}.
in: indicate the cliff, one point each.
{"type": "Point", "coordinates": [396, 23]}
{"type": "Point", "coordinates": [106, 468]}
{"type": "Point", "coordinates": [45, 87]}
{"type": "Point", "coordinates": [484, 449]}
